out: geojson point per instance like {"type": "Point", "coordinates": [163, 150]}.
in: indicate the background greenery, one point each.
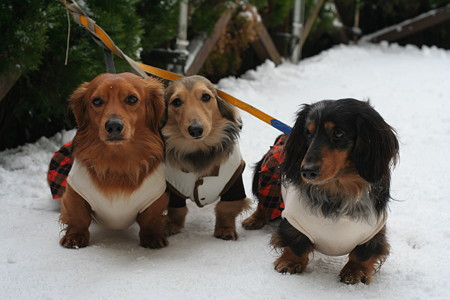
{"type": "Point", "coordinates": [34, 34]}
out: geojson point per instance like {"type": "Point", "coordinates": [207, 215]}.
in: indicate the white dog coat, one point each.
{"type": "Point", "coordinates": [205, 190]}
{"type": "Point", "coordinates": [329, 236]}
{"type": "Point", "coordinates": [117, 211]}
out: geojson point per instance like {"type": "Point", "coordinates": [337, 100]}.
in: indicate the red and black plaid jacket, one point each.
{"type": "Point", "coordinates": [59, 169]}
{"type": "Point", "coordinates": [269, 180]}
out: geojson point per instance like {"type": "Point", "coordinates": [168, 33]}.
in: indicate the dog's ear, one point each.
{"type": "Point", "coordinates": [154, 102]}
{"type": "Point", "coordinates": [79, 105]}
{"type": "Point", "coordinates": [228, 111]}
{"type": "Point", "coordinates": [167, 94]}
{"type": "Point", "coordinates": [296, 147]}
{"type": "Point", "coordinates": [376, 146]}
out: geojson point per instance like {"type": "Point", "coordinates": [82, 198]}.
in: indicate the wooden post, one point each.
{"type": "Point", "coordinates": [297, 30]}
{"type": "Point", "coordinates": [342, 33]}
{"type": "Point", "coordinates": [264, 46]}
{"type": "Point", "coordinates": [411, 26]}
{"type": "Point", "coordinates": [309, 23]}
{"type": "Point", "coordinates": [7, 81]}
{"type": "Point", "coordinates": [209, 43]}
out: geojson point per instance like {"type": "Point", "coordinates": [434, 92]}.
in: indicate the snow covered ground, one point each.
{"type": "Point", "coordinates": [410, 87]}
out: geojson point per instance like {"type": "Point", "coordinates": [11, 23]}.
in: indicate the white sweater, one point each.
{"type": "Point", "coordinates": [117, 211]}
{"type": "Point", "coordinates": [204, 190]}
{"type": "Point", "coordinates": [329, 236]}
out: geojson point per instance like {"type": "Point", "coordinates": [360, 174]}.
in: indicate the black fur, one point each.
{"type": "Point", "coordinates": [376, 246]}
{"type": "Point", "coordinates": [290, 237]}
{"type": "Point", "coordinates": [338, 156]}
{"type": "Point", "coordinates": [372, 142]}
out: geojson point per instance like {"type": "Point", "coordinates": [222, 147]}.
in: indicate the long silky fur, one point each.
{"type": "Point", "coordinates": [201, 157]}
{"type": "Point", "coordinates": [119, 168]}
{"type": "Point", "coordinates": [357, 206]}
{"type": "Point", "coordinates": [375, 151]}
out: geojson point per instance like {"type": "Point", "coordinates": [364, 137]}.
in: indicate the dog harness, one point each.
{"type": "Point", "coordinates": [207, 189]}
{"type": "Point", "coordinates": [116, 211]}
{"type": "Point", "coordinates": [329, 236]}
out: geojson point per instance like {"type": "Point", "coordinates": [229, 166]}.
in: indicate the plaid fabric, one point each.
{"type": "Point", "coordinates": [59, 169]}
{"type": "Point", "coordinates": [269, 181]}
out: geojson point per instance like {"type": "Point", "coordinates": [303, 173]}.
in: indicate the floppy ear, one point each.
{"type": "Point", "coordinates": [154, 105]}
{"type": "Point", "coordinates": [167, 94]}
{"type": "Point", "coordinates": [295, 147]}
{"type": "Point", "coordinates": [79, 106]}
{"type": "Point", "coordinates": [376, 146]}
{"type": "Point", "coordinates": [228, 111]}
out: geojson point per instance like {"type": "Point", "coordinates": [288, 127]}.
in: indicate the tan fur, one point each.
{"type": "Point", "coordinates": [226, 213]}
{"type": "Point", "coordinates": [152, 223]}
{"type": "Point", "coordinates": [194, 111]}
{"type": "Point", "coordinates": [291, 263]}
{"type": "Point", "coordinates": [116, 166]}
{"type": "Point", "coordinates": [221, 126]}
{"type": "Point", "coordinates": [76, 213]}
{"type": "Point", "coordinates": [177, 217]}
{"type": "Point", "coordinates": [347, 183]}
{"type": "Point", "coordinates": [258, 219]}
{"type": "Point", "coordinates": [357, 270]}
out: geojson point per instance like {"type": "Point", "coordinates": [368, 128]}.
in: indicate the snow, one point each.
{"type": "Point", "coordinates": [407, 85]}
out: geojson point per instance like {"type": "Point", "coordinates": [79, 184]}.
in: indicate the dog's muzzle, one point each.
{"type": "Point", "coordinates": [114, 128]}
{"type": "Point", "coordinates": [310, 172]}
{"type": "Point", "coordinates": [195, 130]}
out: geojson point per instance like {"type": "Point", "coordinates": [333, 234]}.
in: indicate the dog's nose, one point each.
{"type": "Point", "coordinates": [310, 172]}
{"type": "Point", "coordinates": [195, 130]}
{"type": "Point", "coordinates": [114, 126]}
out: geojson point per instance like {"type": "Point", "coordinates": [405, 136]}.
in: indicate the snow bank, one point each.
{"type": "Point", "coordinates": [408, 86]}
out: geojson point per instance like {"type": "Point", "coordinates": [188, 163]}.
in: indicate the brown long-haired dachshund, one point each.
{"type": "Point", "coordinates": [117, 176]}
{"type": "Point", "coordinates": [334, 179]}
{"type": "Point", "coordinates": [203, 160]}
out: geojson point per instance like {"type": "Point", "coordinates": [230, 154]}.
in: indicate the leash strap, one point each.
{"type": "Point", "coordinates": [109, 61]}
{"type": "Point", "coordinates": [101, 37]}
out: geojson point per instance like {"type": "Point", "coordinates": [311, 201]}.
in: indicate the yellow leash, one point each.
{"type": "Point", "coordinates": [142, 69]}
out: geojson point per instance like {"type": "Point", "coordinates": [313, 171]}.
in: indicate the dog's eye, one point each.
{"type": "Point", "coordinates": [176, 102]}
{"type": "Point", "coordinates": [97, 102]}
{"type": "Point", "coordinates": [206, 97]}
{"type": "Point", "coordinates": [308, 134]}
{"type": "Point", "coordinates": [337, 133]}
{"type": "Point", "coordinates": [131, 100]}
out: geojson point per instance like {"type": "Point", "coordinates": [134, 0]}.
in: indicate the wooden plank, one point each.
{"type": "Point", "coordinates": [310, 22]}
{"type": "Point", "coordinates": [7, 81]}
{"type": "Point", "coordinates": [209, 43]}
{"type": "Point", "coordinates": [264, 46]}
{"type": "Point", "coordinates": [343, 35]}
{"type": "Point", "coordinates": [411, 26]}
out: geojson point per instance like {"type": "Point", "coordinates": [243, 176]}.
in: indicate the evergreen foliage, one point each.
{"type": "Point", "coordinates": [37, 104]}
{"type": "Point", "coordinates": [34, 34]}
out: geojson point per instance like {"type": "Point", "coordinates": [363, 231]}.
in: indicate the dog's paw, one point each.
{"type": "Point", "coordinates": [154, 241]}
{"type": "Point", "coordinates": [284, 266]}
{"type": "Point", "coordinates": [354, 273]}
{"type": "Point", "coordinates": [173, 229]}
{"type": "Point", "coordinates": [226, 234]}
{"type": "Point", "coordinates": [253, 223]}
{"type": "Point", "coordinates": [74, 240]}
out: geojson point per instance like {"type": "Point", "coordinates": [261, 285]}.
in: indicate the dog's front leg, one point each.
{"type": "Point", "coordinates": [296, 249]}
{"type": "Point", "coordinates": [364, 260]}
{"type": "Point", "coordinates": [76, 214]}
{"type": "Point", "coordinates": [258, 219]}
{"type": "Point", "coordinates": [176, 213]}
{"type": "Point", "coordinates": [153, 223]}
{"type": "Point", "coordinates": [226, 213]}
